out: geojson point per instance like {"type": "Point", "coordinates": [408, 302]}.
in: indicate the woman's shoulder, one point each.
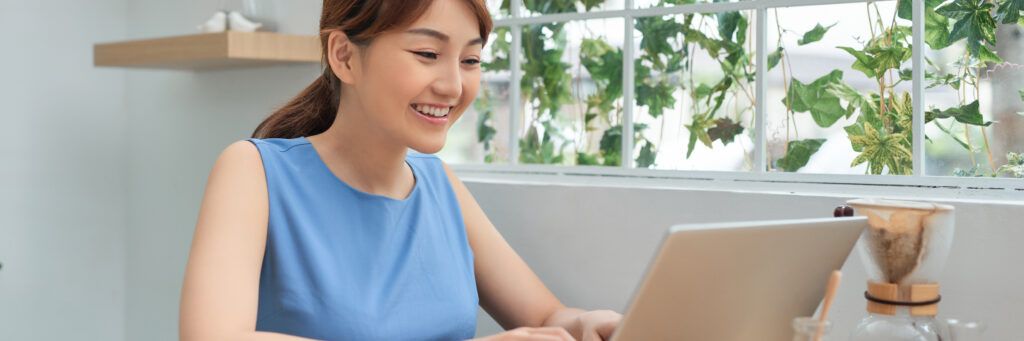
{"type": "Point", "coordinates": [240, 151]}
{"type": "Point", "coordinates": [239, 156]}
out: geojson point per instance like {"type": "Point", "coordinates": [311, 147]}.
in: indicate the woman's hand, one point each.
{"type": "Point", "coordinates": [531, 334]}
{"type": "Point", "coordinates": [598, 325]}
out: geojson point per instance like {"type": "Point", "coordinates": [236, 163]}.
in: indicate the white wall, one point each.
{"type": "Point", "coordinates": [62, 172]}
{"type": "Point", "coordinates": [178, 124]}
{"type": "Point", "coordinates": [590, 244]}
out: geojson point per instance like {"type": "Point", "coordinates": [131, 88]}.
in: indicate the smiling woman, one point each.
{"type": "Point", "coordinates": [325, 225]}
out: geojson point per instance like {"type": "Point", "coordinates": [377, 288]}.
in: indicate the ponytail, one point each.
{"type": "Point", "coordinates": [309, 113]}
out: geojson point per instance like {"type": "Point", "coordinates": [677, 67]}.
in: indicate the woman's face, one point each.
{"type": "Point", "coordinates": [414, 83]}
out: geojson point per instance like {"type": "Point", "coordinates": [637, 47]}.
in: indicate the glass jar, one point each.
{"type": "Point", "coordinates": [810, 329]}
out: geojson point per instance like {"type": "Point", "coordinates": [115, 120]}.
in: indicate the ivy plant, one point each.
{"type": "Point", "coordinates": [722, 109]}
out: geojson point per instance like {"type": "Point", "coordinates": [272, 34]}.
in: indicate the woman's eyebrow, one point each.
{"type": "Point", "coordinates": [441, 36]}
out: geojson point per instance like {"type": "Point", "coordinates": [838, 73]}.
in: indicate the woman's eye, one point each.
{"type": "Point", "coordinates": [430, 55]}
{"type": "Point", "coordinates": [472, 61]}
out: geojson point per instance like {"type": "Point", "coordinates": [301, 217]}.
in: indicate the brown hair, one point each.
{"type": "Point", "coordinates": [314, 109]}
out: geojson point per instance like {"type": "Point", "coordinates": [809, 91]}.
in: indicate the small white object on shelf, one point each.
{"type": "Point", "coordinates": [217, 23]}
{"type": "Point", "coordinates": [238, 22]}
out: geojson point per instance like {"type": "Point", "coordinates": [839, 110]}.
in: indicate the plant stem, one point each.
{"type": "Point", "coordinates": [785, 84]}
{"type": "Point", "coordinates": [867, 7]}
{"type": "Point", "coordinates": [970, 151]}
{"type": "Point", "coordinates": [984, 136]}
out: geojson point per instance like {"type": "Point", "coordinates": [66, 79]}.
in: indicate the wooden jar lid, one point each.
{"type": "Point", "coordinates": [885, 298]}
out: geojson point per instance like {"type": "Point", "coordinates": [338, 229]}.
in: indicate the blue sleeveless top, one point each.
{"type": "Point", "coordinates": [342, 264]}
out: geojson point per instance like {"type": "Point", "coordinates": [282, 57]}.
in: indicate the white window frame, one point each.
{"type": "Point", "coordinates": [1001, 188]}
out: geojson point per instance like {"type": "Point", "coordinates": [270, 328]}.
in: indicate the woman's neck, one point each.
{"type": "Point", "coordinates": [364, 157]}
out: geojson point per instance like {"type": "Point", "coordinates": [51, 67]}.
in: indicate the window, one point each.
{"type": "Point", "coordinates": [831, 89]}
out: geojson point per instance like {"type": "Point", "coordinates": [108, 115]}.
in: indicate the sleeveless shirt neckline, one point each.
{"type": "Point", "coordinates": [323, 166]}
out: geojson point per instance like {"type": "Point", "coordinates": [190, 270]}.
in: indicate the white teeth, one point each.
{"type": "Point", "coordinates": [431, 110]}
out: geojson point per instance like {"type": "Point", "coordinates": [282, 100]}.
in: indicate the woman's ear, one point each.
{"type": "Point", "coordinates": [341, 56]}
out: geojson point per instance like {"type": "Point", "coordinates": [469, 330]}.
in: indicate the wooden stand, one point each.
{"type": "Point", "coordinates": [913, 293]}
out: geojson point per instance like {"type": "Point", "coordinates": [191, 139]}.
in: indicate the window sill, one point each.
{"type": "Point", "coordinates": [897, 187]}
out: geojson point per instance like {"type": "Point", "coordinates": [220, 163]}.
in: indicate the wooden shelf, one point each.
{"type": "Point", "coordinates": [209, 51]}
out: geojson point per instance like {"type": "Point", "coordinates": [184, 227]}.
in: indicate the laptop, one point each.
{"type": "Point", "coordinates": [737, 281]}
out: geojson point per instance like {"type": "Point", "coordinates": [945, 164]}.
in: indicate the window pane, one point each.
{"type": "Point", "coordinates": [975, 85]}
{"type": "Point", "coordinates": [670, 3]}
{"type": "Point", "coordinates": [694, 91]}
{"type": "Point", "coordinates": [838, 89]}
{"type": "Point", "coordinates": [481, 134]}
{"type": "Point", "coordinates": [499, 8]}
{"type": "Point", "coordinates": [572, 92]}
{"type": "Point", "coordinates": [542, 7]}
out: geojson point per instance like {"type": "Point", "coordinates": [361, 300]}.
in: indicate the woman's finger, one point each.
{"type": "Point", "coordinates": [606, 329]}
{"type": "Point", "coordinates": [558, 333]}
{"type": "Point", "coordinates": [590, 334]}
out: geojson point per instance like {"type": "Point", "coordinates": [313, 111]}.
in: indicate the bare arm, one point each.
{"type": "Point", "coordinates": [221, 288]}
{"type": "Point", "coordinates": [509, 291]}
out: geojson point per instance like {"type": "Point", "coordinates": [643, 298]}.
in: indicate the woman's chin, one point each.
{"type": "Point", "coordinates": [428, 147]}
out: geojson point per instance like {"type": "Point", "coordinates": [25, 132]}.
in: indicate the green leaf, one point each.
{"type": "Point", "coordinates": [904, 8]}
{"type": "Point", "coordinates": [741, 30]}
{"type": "Point", "coordinates": [604, 63]}
{"type": "Point", "coordinates": [973, 21]}
{"type": "Point", "coordinates": [936, 30]}
{"type": "Point", "coordinates": [906, 75]}
{"type": "Point", "coordinates": [611, 143]}
{"type": "Point", "coordinates": [727, 24]}
{"type": "Point", "coordinates": [864, 63]}
{"type": "Point", "coordinates": [698, 131]}
{"type": "Point", "coordinates": [656, 97]}
{"type": "Point", "coordinates": [967, 114]}
{"type": "Point", "coordinates": [658, 32]}
{"type": "Point", "coordinates": [774, 57]}
{"type": "Point", "coordinates": [550, 6]}
{"type": "Point", "coordinates": [702, 91]}
{"type": "Point", "coordinates": [815, 34]}
{"type": "Point", "coordinates": [545, 82]}
{"type": "Point", "coordinates": [857, 101]}
{"type": "Point", "coordinates": [888, 57]}
{"type": "Point", "coordinates": [986, 55]}
{"type": "Point", "coordinates": [798, 153]}
{"type": "Point", "coordinates": [1009, 11]}
{"type": "Point", "coordinates": [816, 98]}
{"type": "Point", "coordinates": [725, 130]}
{"type": "Point", "coordinates": [484, 131]}
{"type": "Point", "coordinates": [881, 150]}
{"type": "Point", "coordinates": [1014, 166]}
{"type": "Point", "coordinates": [591, 4]}
{"type": "Point", "coordinates": [647, 155]}
{"type": "Point", "coordinates": [584, 159]}
{"type": "Point", "coordinates": [712, 46]}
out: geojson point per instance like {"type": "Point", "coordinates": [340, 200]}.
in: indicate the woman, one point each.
{"type": "Point", "coordinates": [324, 225]}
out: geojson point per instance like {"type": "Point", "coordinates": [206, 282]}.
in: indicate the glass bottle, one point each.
{"type": "Point", "coordinates": [965, 330]}
{"type": "Point", "coordinates": [899, 327]}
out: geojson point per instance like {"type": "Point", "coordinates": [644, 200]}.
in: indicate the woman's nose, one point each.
{"type": "Point", "coordinates": [449, 81]}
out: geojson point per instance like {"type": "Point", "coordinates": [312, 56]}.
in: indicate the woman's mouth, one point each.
{"type": "Point", "coordinates": [432, 113]}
